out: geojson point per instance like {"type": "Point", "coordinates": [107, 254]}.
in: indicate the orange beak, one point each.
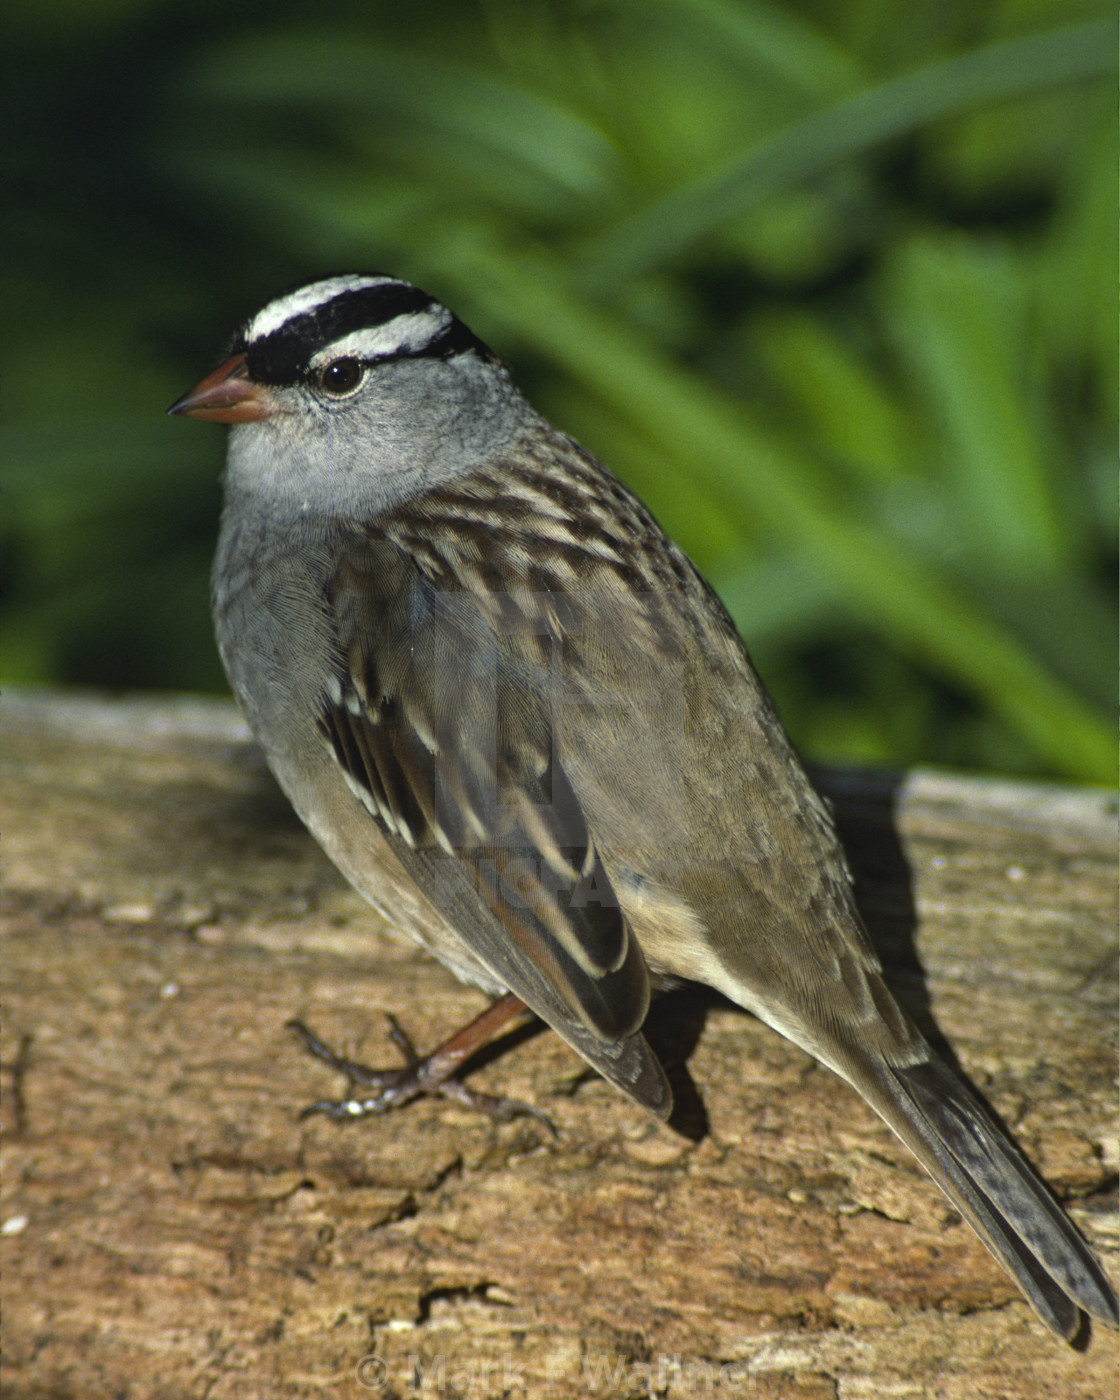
{"type": "Point", "coordinates": [227, 396]}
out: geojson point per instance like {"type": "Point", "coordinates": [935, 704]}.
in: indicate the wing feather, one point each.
{"type": "Point", "coordinates": [442, 723]}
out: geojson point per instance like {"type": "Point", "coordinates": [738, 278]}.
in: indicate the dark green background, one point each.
{"type": "Point", "coordinates": [830, 283]}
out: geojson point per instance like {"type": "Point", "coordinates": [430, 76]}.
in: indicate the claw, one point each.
{"type": "Point", "coordinates": [393, 1088]}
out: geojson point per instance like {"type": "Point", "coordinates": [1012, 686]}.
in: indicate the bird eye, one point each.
{"type": "Point", "coordinates": [341, 377]}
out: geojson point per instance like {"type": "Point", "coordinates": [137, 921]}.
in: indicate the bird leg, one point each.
{"type": "Point", "coordinates": [433, 1073]}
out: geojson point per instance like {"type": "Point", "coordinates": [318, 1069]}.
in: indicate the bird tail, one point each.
{"type": "Point", "coordinates": [995, 1188]}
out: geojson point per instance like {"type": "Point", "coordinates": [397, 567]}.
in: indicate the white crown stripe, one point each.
{"type": "Point", "coordinates": [306, 299]}
{"type": "Point", "coordinates": [403, 335]}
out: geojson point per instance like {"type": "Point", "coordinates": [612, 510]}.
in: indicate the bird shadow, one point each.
{"type": "Point", "coordinates": [865, 807]}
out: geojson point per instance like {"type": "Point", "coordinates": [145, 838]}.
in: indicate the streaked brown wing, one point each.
{"type": "Point", "coordinates": [442, 722]}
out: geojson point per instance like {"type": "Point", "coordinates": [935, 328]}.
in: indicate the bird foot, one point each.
{"type": "Point", "coordinates": [375, 1091]}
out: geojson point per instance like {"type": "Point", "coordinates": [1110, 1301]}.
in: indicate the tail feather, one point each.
{"type": "Point", "coordinates": [996, 1189]}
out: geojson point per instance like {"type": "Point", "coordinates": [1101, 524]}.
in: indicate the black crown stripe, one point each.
{"type": "Point", "coordinates": [282, 356]}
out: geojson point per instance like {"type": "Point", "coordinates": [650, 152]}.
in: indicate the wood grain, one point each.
{"type": "Point", "coordinates": [170, 1228]}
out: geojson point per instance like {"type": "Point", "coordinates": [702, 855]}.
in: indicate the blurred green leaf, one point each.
{"type": "Point", "coordinates": [460, 126]}
{"type": "Point", "coordinates": [824, 282]}
{"type": "Point", "coordinates": [959, 311]}
{"type": "Point", "coordinates": [855, 125]}
{"type": "Point", "coordinates": [837, 396]}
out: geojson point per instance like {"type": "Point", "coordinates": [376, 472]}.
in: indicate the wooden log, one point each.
{"type": "Point", "coordinates": [170, 1227]}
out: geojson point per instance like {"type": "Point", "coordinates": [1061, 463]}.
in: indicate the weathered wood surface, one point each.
{"type": "Point", "coordinates": [171, 1229]}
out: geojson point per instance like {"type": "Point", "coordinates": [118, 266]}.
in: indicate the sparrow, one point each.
{"type": "Point", "coordinates": [525, 728]}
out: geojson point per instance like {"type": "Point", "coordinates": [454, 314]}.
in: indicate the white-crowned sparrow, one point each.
{"type": "Point", "coordinates": [522, 724]}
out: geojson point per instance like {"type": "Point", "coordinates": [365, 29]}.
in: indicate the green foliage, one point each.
{"type": "Point", "coordinates": [829, 283]}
